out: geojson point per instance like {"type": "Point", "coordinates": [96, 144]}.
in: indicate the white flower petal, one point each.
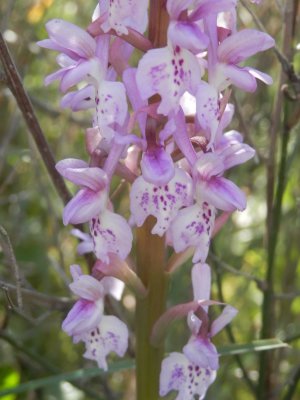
{"type": "Point", "coordinates": [111, 335]}
{"type": "Point", "coordinates": [87, 287]}
{"type": "Point", "coordinates": [189, 379]}
{"type": "Point", "coordinates": [163, 202]}
{"type": "Point", "coordinates": [225, 318]}
{"type": "Point", "coordinates": [208, 112]}
{"type": "Point", "coordinates": [111, 234]}
{"type": "Point", "coordinates": [126, 13]}
{"type": "Point", "coordinates": [193, 228]}
{"type": "Point", "coordinates": [168, 72]}
{"type": "Point", "coordinates": [111, 103]}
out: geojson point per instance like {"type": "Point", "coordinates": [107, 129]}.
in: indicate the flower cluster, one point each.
{"type": "Point", "coordinates": [173, 149]}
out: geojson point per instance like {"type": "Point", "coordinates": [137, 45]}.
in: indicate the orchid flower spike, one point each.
{"type": "Point", "coordinates": [86, 322]}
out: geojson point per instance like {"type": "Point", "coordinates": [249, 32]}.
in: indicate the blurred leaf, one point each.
{"type": "Point", "coordinates": [69, 376]}
{"type": "Point", "coordinates": [8, 377]}
{"type": "Point", "coordinates": [257, 345]}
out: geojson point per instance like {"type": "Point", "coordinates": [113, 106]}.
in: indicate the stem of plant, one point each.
{"type": "Point", "coordinates": [267, 377]}
{"type": "Point", "coordinates": [151, 259]}
{"type": "Point", "coordinates": [151, 270]}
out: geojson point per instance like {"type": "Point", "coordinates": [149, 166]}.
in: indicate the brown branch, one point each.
{"type": "Point", "coordinates": [10, 255]}
{"type": "Point", "coordinates": [44, 300]}
{"type": "Point", "coordinates": [15, 84]}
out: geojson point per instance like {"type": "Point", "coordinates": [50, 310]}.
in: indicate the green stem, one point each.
{"type": "Point", "coordinates": [265, 381]}
{"type": "Point", "coordinates": [151, 270]}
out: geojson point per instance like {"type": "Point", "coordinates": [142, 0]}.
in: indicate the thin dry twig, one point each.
{"type": "Point", "coordinates": [245, 129]}
{"type": "Point", "coordinates": [10, 255]}
{"type": "Point", "coordinates": [15, 85]}
{"type": "Point", "coordinates": [47, 301]}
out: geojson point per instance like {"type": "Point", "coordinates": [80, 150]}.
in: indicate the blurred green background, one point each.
{"type": "Point", "coordinates": [32, 345]}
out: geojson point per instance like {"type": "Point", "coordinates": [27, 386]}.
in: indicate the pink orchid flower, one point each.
{"type": "Point", "coordinates": [235, 49]}
{"type": "Point", "coordinates": [122, 14]}
{"type": "Point", "coordinates": [77, 57]}
{"type": "Point", "coordinates": [86, 322]}
{"type": "Point", "coordinates": [191, 373]}
{"type": "Point", "coordinates": [168, 71]}
{"type": "Point", "coordinates": [186, 26]}
{"type": "Point", "coordinates": [91, 198]}
{"type": "Point", "coordinates": [193, 225]}
{"type": "Point", "coordinates": [111, 234]}
{"type": "Point", "coordinates": [161, 201]}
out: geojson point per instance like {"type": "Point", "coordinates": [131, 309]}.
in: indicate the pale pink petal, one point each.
{"type": "Point", "coordinates": [174, 376]}
{"type": "Point", "coordinates": [208, 109]}
{"type": "Point", "coordinates": [208, 165]}
{"type": "Point", "coordinates": [120, 53]}
{"type": "Point", "coordinates": [208, 7]}
{"type": "Point", "coordinates": [225, 318]}
{"type": "Point", "coordinates": [82, 317]}
{"type": "Point", "coordinates": [188, 104]}
{"type": "Point", "coordinates": [182, 138]}
{"type": "Point", "coordinates": [240, 77]}
{"type": "Point", "coordinates": [111, 234]}
{"type": "Point", "coordinates": [227, 116]}
{"type": "Point", "coordinates": [175, 7]}
{"type": "Point", "coordinates": [244, 44]}
{"type": "Point", "coordinates": [124, 13]}
{"type": "Point", "coordinates": [223, 194]}
{"type": "Point", "coordinates": [168, 72]}
{"type": "Point", "coordinates": [81, 99]}
{"type": "Point", "coordinates": [71, 37]}
{"type": "Point", "coordinates": [51, 45]}
{"type": "Point", "coordinates": [113, 286]}
{"type": "Point", "coordinates": [129, 79]}
{"type": "Point", "coordinates": [85, 247]}
{"type": "Point", "coordinates": [187, 35]}
{"type": "Point", "coordinates": [163, 202]}
{"type": "Point", "coordinates": [187, 378]}
{"type": "Point", "coordinates": [87, 287]}
{"type": "Point", "coordinates": [265, 78]}
{"type": "Point", "coordinates": [111, 335]}
{"type": "Point", "coordinates": [235, 154]}
{"type": "Point", "coordinates": [157, 166]}
{"type": "Point", "coordinates": [75, 270]}
{"type": "Point", "coordinates": [84, 206]}
{"type": "Point", "coordinates": [102, 51]}
{"type": "Point", "coordinates": [93, 178]}
{"type": "Point", "coordinates": [132, 159]}
{"type": "Point", "coordinates": [64, 60]}
{"type": "Point", "coordinates": [57, 75]}
{"type": "Point", "coordinates": [67, 163]}
{"type": "Point", "coordinates": [193, 228]}
{"type": "Point", "coordinates": [194, 323]}
{"type": "Point", "coordinates": [201, 280]}
{"type": "Point", "coordinates": [202, 352]}
{"type": "Point", "coordinates": [111, 103]}
{"type": "Point", "coordinates": [89, 71]}
{"type": "Point", "coordinates": [231, 136]}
